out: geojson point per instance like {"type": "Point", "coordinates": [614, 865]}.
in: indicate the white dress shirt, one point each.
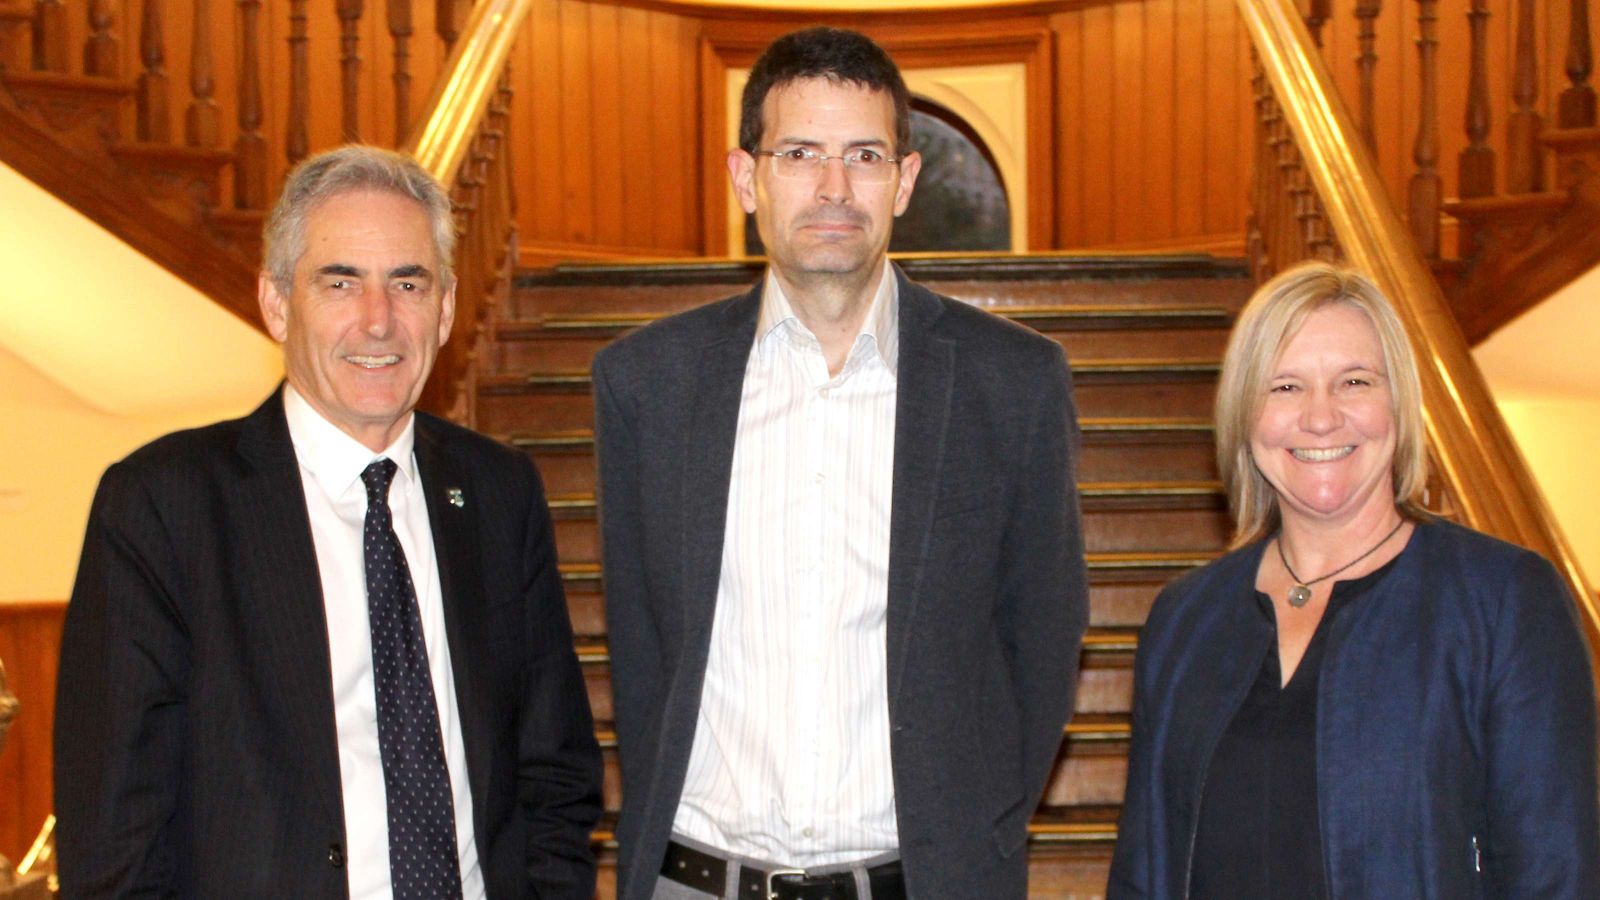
{"type": "Point", "coordinates": [331, 463]}
{"type": "Point", "coordinates": [790, 762]}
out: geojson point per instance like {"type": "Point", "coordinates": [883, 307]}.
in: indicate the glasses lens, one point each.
{"type": "Point", "coordinates": [868, 167]}
{"type": "Point", "coordinates": [862, 166]}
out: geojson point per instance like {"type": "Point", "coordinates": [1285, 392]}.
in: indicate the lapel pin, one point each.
{"type": "Point", "coordinates": [457, 498]}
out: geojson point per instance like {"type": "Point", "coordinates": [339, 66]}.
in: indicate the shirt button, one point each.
{"type": "Point", "coordinates": [823, 393]}
{"type": "Point", "coordinates": [336, 856]}
{"type": "Point", "coordinates": [807, 832]}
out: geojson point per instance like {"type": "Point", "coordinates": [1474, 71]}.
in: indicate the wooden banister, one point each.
{"type": "Point", "coordinates": [460, 140]}
{"type": "Point", "coordinates": [1477, 460]}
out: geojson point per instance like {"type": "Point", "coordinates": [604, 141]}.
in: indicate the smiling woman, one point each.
{"type": "Point", "coordinates": [1277, 717]}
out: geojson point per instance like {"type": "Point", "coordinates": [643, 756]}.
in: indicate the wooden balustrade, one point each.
{"type": "Point", "coordinates": [1288, 222]}
{"type": "Point", "coordinates": [1366, 14]}
{"type": "Point", "coordinates": [297, 137]}
{"type": "Point", "coordinates": [1577, 101]}
{"type": "Point", "coordinates": [1524, 154]}
{"type": "Point", "coordinates": [152, 121]}
{"type": "Point", "coordinates": [400, 32]}
{"type": "Point", "coordinates": [1476, 163]}
{"type": "Point", "coordinates": [100, 54]}
{"type": "Point", "coordinates": [1426, 189]}
{"type": "Point", "coordinates": [350, 66]}
{"type": "Point", "coordinates": [250, 150]}
{"type": "Point", "coordinates": [201, 127]}
{"type": "Point", "coordinates": [50, 36]}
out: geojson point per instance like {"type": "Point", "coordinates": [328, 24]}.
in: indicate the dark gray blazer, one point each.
{"type": "Point", "coordinates": [987, 591]}
{"type": "Point", "coordinates": [196, 753]}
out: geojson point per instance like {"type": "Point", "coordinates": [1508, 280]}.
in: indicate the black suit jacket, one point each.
{"type": "Point", "coordinates": [195, 747]}
{"type": "Point", "coordinates": [987, 593]}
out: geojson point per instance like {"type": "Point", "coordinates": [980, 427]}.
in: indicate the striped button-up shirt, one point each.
{"type": "Point", "coordinates": [790, 762]}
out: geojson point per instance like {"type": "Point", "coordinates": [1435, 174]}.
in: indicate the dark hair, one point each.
{"type": "Point", "coordinates": [832, 53]}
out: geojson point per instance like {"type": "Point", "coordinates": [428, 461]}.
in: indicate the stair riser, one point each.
{"type": "Point", "coordinates": [1110, 605]}
{"type": "Point", "coordinates": [529, 301]}
{"type": "Point", "coordinates": [573, 473]}
{"type": "Point", "coordinates": [1104, 531]}
{"type": "Point", "coordinates": [1104, 686]}
{"type": "Point", "coordinates": [1079, 779]}
{"type": "Point", "coordinates": [528, 413]}
{"type": "Point", "coordinates": [1087, 779]}
{"type": "Point", "coordinates": [557, 353]}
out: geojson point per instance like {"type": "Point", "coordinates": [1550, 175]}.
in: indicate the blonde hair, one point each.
{"type": "Point", "coordinates": [1272, 317]}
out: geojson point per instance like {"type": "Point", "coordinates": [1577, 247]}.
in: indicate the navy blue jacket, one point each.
{"type": "Point", "coordinates": [1455, 726]}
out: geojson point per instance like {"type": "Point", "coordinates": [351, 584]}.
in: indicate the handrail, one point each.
{"type": "Point", "coordinates": [442, 139]}
{"type": "Point", "coordinates": [1478, 460]}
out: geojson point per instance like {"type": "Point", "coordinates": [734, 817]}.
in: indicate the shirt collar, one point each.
{"type": "Point", "coordinates": [880, 330]}
{"type": "Point", "coordinates": [335, 459]}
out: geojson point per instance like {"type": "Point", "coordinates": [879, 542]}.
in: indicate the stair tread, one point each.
{"type": "Point", "coordinates": [595, 650]}
{"type": "Point", "coordinates": [1093, 727]}
{"type": "Point", "coordinates": [1055, 266]}
{"type": "Point", "coordinates": [1083, 371]}
{"type": "Point", "coordinates": [588, 324]}
{"type": "Point", "coordinates": [1118, 560]}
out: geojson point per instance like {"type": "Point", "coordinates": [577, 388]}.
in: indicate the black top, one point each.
{"type": "Point", "coordinates": [1257, 835]}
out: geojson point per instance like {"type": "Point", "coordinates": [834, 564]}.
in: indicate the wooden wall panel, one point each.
{"type": "Point", "coordinates": [1154, 99]}
{"type": "Point", "coordinates": [606, 107]}
{"type": "Point", "coordinates": [30, 644]}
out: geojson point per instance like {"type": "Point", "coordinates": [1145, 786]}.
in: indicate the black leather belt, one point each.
{"type": "Point", "coordinates": [709, 874]}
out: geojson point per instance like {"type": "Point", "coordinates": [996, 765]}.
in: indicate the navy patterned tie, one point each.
{"type": "Point", "coordinates": [422, 826]}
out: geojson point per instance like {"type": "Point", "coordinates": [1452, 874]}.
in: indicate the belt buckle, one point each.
{"type": "Point", "coordinates": [766, 880]}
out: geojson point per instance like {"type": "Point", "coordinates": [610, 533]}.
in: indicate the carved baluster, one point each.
{"type": "Point", "coordinates": [50, 36]}
{"type": "Point", "coordinates": [200, 125]}
{"type": "Point", "coordinates": [448, 17]}
{"type": "Point", "coordinates": [250, 150]}
{"type": "Point", "coordinates": [1253, 241]}
{"type": "Point", "coordinates": [1425, 189]}
{"type": "Point", "coordinates": [100, 55]}
{"type": "Point", "coordinates": [1367, 62]}
{"type": "Point", "coordinates": [153, 122]}
{"type": "Point", "coordinates": [400, 30]}
{"type": "Point", "coordinates": [1477, 160]}
{"type": "Point", "coordinates": [1524, 156]}
{"type": "Point", "coordinates": [1288, 225]}
{"type": "Point", "coordinates": [297, 136]}
{"type": "Point", "coordinates": [350, 64]}
{"type": "Point", "coordinates": [1316, 12]}
{"type": "Point", "coordinates": [1577, 101]}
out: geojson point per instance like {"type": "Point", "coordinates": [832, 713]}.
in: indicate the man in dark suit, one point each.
{"type": "Point", "coordinates": [844, 576]}
{"type": "Point", "coordinates": [322, 651]}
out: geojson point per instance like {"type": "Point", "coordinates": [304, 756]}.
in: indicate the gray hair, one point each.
{"type": "Point", "coordinates": [1266, 325]}
{"type": "Point", "coordinates": [353, 167]}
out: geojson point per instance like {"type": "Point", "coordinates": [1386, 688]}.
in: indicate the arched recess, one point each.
{"type": "Point", "coordinates": [998, 82]}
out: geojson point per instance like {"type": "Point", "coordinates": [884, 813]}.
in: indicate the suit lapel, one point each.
{"type": "Point", "coordinates": [708, 465]}
{"type": "Point", "coordinates": [922, 417]}
{"type": "Point", "coordinates": [455, 548]}
{"type": "Point", "coordinates": [278, 566]}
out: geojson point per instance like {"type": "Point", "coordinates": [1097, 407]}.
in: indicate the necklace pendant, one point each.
{"type": "Point", "coordinates": [1299, 596]}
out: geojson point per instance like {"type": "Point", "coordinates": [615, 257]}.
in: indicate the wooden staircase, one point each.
{"type": "Point", "coordinates": [1145, 336]}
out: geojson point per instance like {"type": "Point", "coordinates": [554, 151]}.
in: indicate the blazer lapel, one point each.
{"type": "Point", "coordinates": [922, 417]}
{"type": "Point", "coordinates": [455, 543]}
{"type": "Point", "coordinates": [708, 466]}
{"type": "Point", "coordinates": [278, 568]}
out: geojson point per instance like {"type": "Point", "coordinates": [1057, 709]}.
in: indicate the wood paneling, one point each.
{"type": "Point", "coordinates": [606, 118]}
{"type": "Point", "coordinates": [1139, 120]}
{"type": "Point", "coordinates": [30, 644]}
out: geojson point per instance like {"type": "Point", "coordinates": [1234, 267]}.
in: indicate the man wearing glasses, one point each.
{"type": "Point", "coordinates": [844, 574]}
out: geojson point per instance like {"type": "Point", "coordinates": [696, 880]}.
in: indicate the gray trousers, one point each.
{"type": "Point", "coordinates": [671, 890]}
